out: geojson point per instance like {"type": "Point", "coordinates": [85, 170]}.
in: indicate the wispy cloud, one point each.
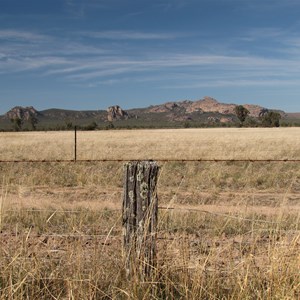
{"type": "Point", "coordinates": [20, 35]}
{"type": "Point", "coordinates": [18, 64]}
{"type": "Point", "coordinates": [235, 82]}
{"type": "Point", "coordinates": [275, 4]}
{"type": "Point", "coordinates": [128, 35]}
{"type": "Point", "coordinates": [256, 34]}
{"type": "Point", "coordinates": [172, 4]}
{"type": "Point", "coordinates": [75, 8]}
{"type": "Point", "coordinates": [216, 71]}
{"type": "Point", "coordinates": [82, 62]}
{"type": "Point", "coordinates": [261, 5]}
{"type": "Point", "coordinates": [81, 9]}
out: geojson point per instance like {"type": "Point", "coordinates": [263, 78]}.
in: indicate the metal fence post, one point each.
{"type": "Point", "coordinates": [75, 143]}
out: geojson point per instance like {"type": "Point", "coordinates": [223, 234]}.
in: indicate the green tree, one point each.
{"type": "Point", "coordinates": [33, 122]}
{"type": "Point", "coordinates": [17, 123]}
{"type": "Point", "coordinates": [109, 126]}
{"type": "Point", "coordinates": [250, 122]}
{"type": "Point", "coordinates": [271, 119]}
{"type": "Point", "coordinates": [91, 126]}
{"type": "Point", "coordinates": [186, 124]}
{"type": "Point", "coordinates": [69, 125]}
{"type": "Point", "coordinates": [241, 112]}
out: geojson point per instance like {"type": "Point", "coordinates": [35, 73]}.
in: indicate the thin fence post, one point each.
{"type": "Point", "coordinates": [75, 143]}
{"type": "Point", "coordinates": [140, 211]}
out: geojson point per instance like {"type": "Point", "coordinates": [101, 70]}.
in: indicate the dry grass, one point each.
{"type": "Point", "coordinates": [244, 143]}
{"type": "Point", "coordinates": [234, 232]}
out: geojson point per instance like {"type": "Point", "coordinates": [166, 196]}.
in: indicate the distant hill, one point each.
{"type": "Point", "coordinates": [201, 113]}
{"type": "Point", "coordinates": [293, 118]}
{"type": "Point", "coordinates": [293, 115]}
{"type": "Point", "coordinates": [205, 105]}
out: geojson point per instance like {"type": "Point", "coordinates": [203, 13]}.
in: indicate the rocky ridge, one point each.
{"type": "Point", "coordinates": [207, 104]}
{"type": "Point", "coordinates": [23, 113]}
{"type": "Point", "coordinates": [207, 110]}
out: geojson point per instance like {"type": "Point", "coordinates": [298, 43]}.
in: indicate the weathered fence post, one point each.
{"type": "Point", "coordinates": [140, 210]}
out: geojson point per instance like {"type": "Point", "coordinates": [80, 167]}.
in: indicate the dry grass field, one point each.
{"type": "Point", "coordinates": [233, 231]}
{"type": "Point", "coordinates": [229, 143]}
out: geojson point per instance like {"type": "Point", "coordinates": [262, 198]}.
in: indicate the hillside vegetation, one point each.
{"type": "Point", "coordinates": [206, 112]}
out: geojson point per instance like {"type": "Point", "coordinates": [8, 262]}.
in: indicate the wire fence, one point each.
{"type": "Point", "coordinates": [114, 233]}
{"type": "Point", "coordinates": [63, 240]}
{"type": "Point", "coordinates": [197, 210]}
{"type": "Point", "coordinates": [37, 249]}
{"type": "Point", "coordinates": [168, 208]}
{"type": "Point", "coordinates": [157, 160]}
{"type": "Point", "coordinates": [227, 216]}
{"type": "Point", "coordinates": [75, 158]}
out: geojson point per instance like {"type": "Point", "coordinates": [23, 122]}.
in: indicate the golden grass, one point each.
{"type": "Point", "coordinates": [234, 232]}
{"type": "Point", "coordinates": [233, 143]}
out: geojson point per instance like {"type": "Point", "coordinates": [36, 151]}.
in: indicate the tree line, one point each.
{"type": "Point", "coordinates": [267, 118]}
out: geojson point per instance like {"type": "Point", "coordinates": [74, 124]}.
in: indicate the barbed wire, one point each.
{"type": "Point", "coordinates": [61, 235]}
{"type": "Point", "coordinates": [217, 160]}
{"type": "Point", "coordinates": [61, 211]}
{"type": "Point", "coordinates": [222, 215]}
{"type": "Point", "coordinates": [229, 216]}
{"type": "Point", "coordinates": [188, 209]}
{"type": "Point", "coordinates": [119, 235]}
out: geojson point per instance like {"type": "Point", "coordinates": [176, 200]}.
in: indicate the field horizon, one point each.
{"type": "Point", "coordinates": [207, 112]}
{"type": "Point", "coordinates": [191, 143]}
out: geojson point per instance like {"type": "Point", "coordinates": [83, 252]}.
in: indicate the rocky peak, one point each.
{"type": "Point", "coordinates": [116, 113]}
{"type": "Point", "coordinates": [209, 100]}
{"type": "Point", "coordinates": [23, 113]}
{"type": "Point", "coordinates": [208, 104]}
{"type": "Point", "coordinates": [170, 106]}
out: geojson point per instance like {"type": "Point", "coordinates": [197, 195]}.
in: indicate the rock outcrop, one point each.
{"type": "Point", "coordinates": [116, 113]}
{"type": "Point", "coordinates": [207, 104]}
{"type": "Point", "coordinates": [23, 113]}
{"type": "Point", "coordinates": [170, 106]}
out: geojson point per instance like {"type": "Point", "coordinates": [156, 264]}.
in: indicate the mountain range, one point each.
{"type": "Point", "coordinates": [204, 112]}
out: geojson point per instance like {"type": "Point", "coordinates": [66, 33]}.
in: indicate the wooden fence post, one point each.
{"type": "Point", "coordinates": [140, 210]}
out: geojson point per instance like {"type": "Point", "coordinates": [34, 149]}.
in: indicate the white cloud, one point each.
{"type": "Point", "coordinates": [235, 82]}
{"type": "Point", "coordinates": [15, 65]}
{"type": "Point", "coordinates": [19, 35]}
{"type": "Point", "coordinates": [173, 4]}
{"type": "Point", "coordinates": [78, 61]}
{"type": "Point", "coordinates": [127, 35]}
{"type": "Point", "coordinates": [256, 34]}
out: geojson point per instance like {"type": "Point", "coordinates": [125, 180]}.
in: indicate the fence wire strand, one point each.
{"type": "Point", "coordinates": [166, 208]}
{"type": "Point", "coordinates": [216, 160]}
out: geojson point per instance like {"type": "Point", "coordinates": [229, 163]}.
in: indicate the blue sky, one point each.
{"type": "Point", "coordinates": [95, 53]}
